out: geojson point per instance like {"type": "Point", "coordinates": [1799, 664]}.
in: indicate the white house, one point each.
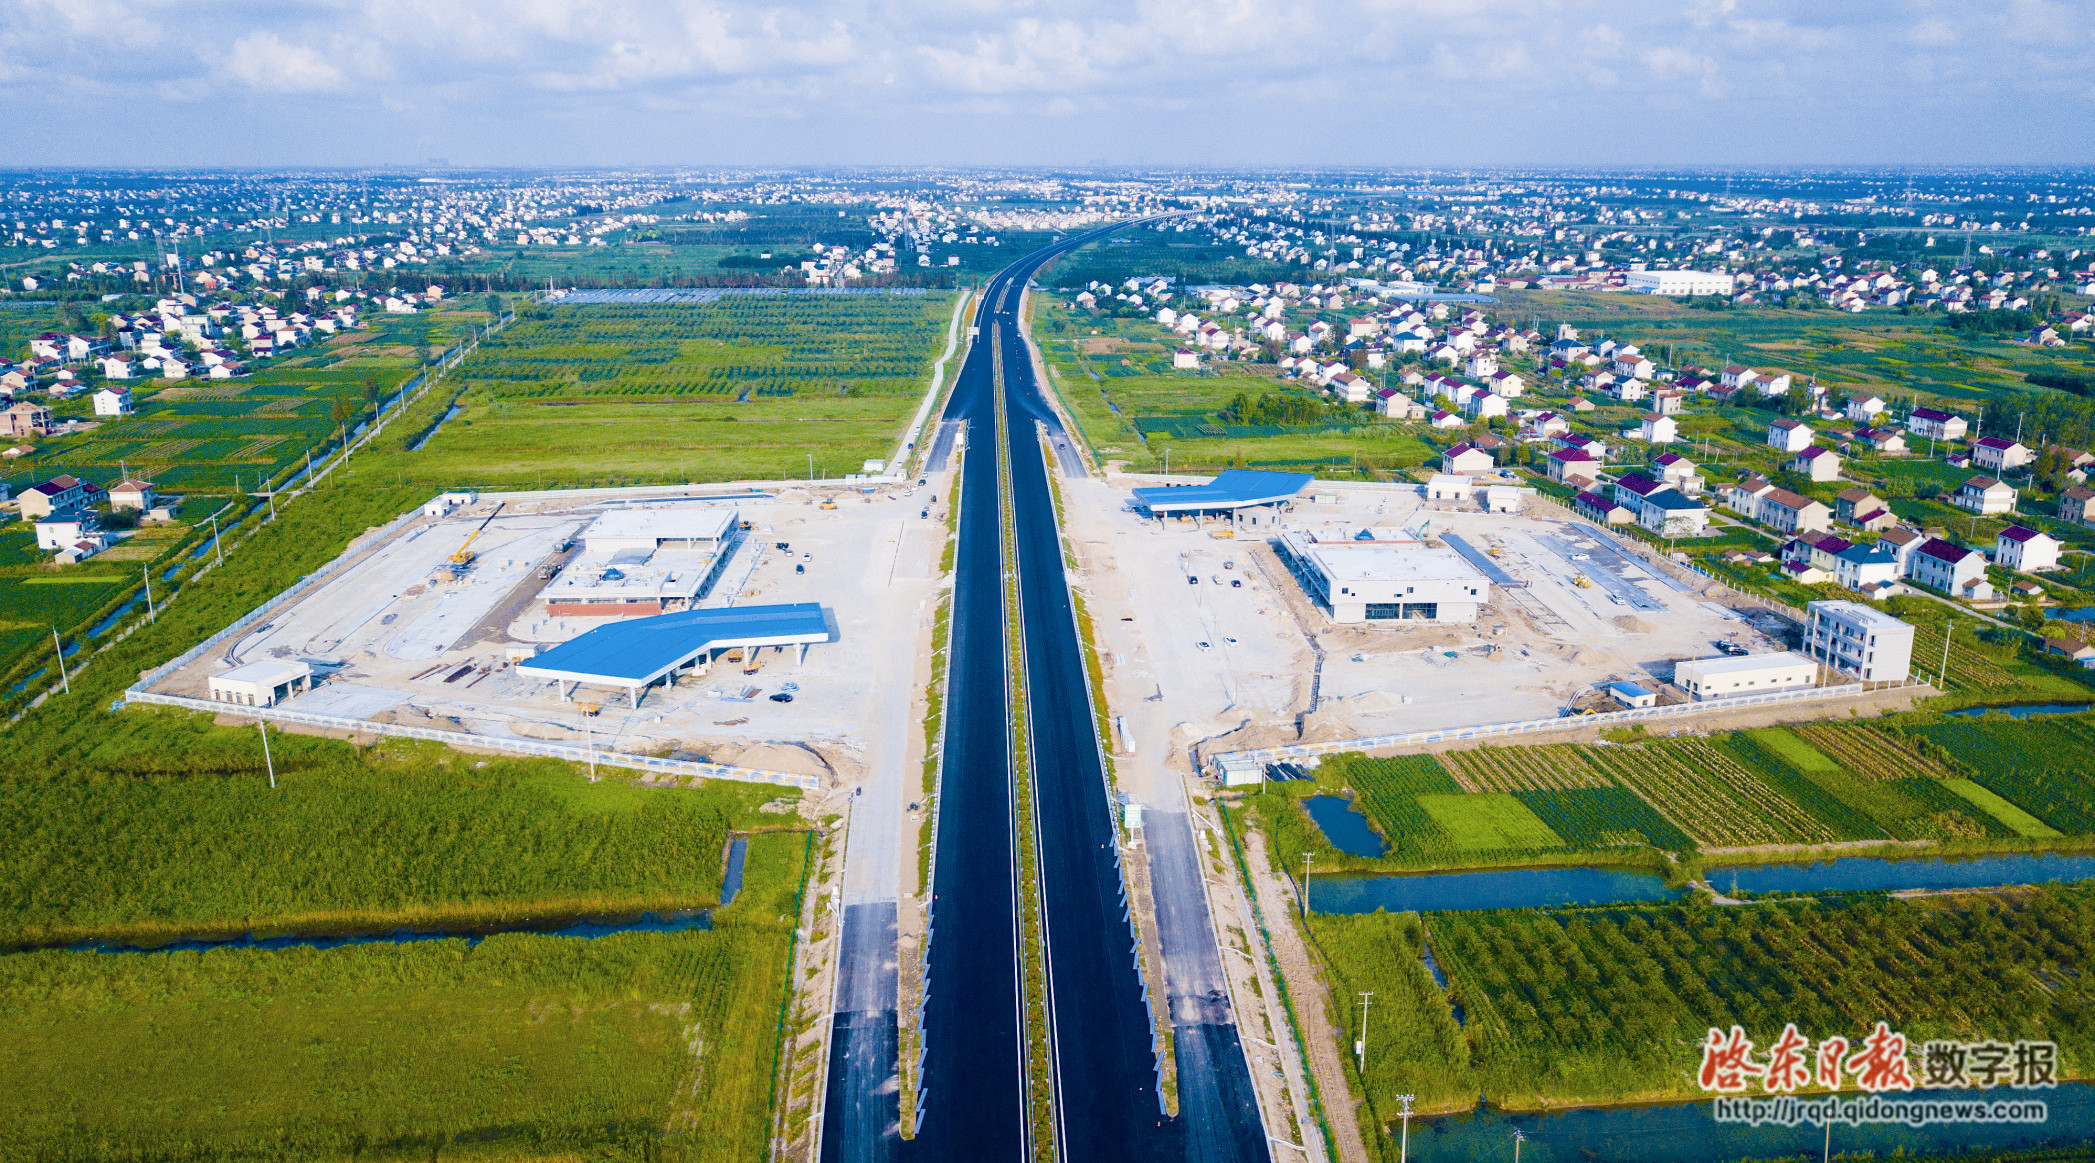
{"type": "Point", "coordinates": [1862, 407]}
{"type": "Point", "coordinates": [1815, 463]}
{"type": "Point", "coordinates": [113, 402]}
{"type": "Point", "coordinates": [1657, 429]}
{"type": "Point", "coordinates": [1951, 568]}
{"type": "Point", "coordinates": [1985, 496]}
{"type": "Point", "coordinates": [1936, 425]}
{"type": "Point", "coordinates": [1789, 435]}
{"type": "Point", "coordinates": [1998, 455]}
{"type": "Point", "coordinates": [1466, 458]}
{"type": "Point", "coordinates": [2025, 550]}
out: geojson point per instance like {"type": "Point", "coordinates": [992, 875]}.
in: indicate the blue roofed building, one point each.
{"type": "Point", "coordinates": [635, 654]}
{"type": "Point", "coordinates": [1244, 496]}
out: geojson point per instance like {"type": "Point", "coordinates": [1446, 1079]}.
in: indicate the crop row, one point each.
{"type": "Point", "coordinates": [1704, 792]}
{"type": "Point", "coordinates": [1870, 753]}
{"type": "Point", "coordinates": [1516, 769]}
{"type": "Point", "coordinates": [1968, 669]}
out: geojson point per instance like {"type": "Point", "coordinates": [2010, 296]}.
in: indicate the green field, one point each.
{"type": "Point", "coordinates": [211, 436]}
{"type": "Point", "coordinates": [1966, 783]}
{"type": "Point", "coordinates": [1607, 1005]}
{"type": "Point", "coordinates": [634, 1046]}
{"type": "Point", "coordinates": [395, 834]}
{"type": "Point", "coordinates": [1481, 822]}
{"type": "Point", "coordinates": [742, 388]}
{"type": "Point", "coordinates": [1114, 376]}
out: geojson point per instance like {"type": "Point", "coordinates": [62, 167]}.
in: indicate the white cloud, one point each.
{"type": "Point", "coordinates": [265, 61]}
{"type": "Point", "coordinates": [926, 78]}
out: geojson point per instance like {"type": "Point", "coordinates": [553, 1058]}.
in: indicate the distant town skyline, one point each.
{"type": "Point", "coordinates": [1152, 82]}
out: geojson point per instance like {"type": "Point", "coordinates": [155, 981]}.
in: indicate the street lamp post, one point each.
{"type": "Point", "coordinates": [1404, 1143]}
{"type": "Point", "coordinates": [59, 645]}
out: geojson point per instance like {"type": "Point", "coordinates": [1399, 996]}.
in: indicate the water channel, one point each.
{"type": "Point", "coordinates": [1685, 1132]}
{"type": "Point", "coordinates": [582, 927]}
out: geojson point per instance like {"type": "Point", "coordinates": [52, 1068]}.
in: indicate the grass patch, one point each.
{"type": "Point", "coordinates": [73, 580]}
{"type": "Point", "coordinates": [635, 1046]}
{"type": "Point", "coordinates": [350, 837]}
{"type": "Point", "coordinates": [1802, 755]}
{"type": "Point", "coordinates": [1481, 822]}
{"type": "Point", "coordinates": [1993, 805]}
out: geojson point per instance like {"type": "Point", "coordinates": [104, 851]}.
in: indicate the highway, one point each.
{"type": "Point", "coordinates": [1103, 1058]}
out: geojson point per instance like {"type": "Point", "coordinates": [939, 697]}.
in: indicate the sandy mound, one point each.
{"type": "Point", "coordinates": [1632, 624]}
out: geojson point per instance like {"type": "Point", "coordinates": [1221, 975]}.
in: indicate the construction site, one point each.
{"type": "Point", "coordinates": [1212, 635]}
{"type": "Point", "coordinates": [766, 627]}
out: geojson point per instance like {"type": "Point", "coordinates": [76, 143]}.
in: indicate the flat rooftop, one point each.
{"type": "Point", "coordinates": [1856, 613]}
{"type": "Point", "coordinates": [1238, 488]}
{"type": "Point", "coordinates": [1712, 667]}
{"type": "Point", "coordinates": [1385, 560]}
{"type": "Point", "coordinates": [623, 528]}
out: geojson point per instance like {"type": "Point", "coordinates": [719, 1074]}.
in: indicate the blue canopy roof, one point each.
{"type": "Point", "coordinates": [639, 651]}
{"type": "Point", "coordinates": [1234, 489]}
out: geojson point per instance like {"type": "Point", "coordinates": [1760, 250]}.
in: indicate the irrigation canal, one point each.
{"type": "Point", "coordinates": [973, 1096]}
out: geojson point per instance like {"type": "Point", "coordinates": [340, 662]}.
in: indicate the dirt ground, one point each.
{"type": "Point", "coordinates": [1241, 658]}
{"type": "Point", "coordinates": [388, 643]}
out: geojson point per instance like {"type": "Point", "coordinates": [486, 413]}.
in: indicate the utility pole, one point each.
{"type": "Point", "coordinates": [1942, 679]}
{"type": "Point", "coordinates": [1404, 1143]}
{"type": "Point", "coordinates": [214, 540]}
{"type": "Point", "coordinates": [264, 725]}
{"type": "Point", "coordinates": [150, 613]}
{"type": "Point", "coordinates": [1305, 875]}
{"type": "Point", "coordinates": [63, 677]}
{"type": "Point", "coordinates": [1518, 1139]}
{"type": "Point", "coordinates": [1360, 1048]}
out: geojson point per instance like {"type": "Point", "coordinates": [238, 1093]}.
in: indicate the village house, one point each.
{"type": "Point", "coordinates": [1985, 496]}
{"type": "Point", "coordinates": [61, 495]}
{"type": "Point", "coordinates": [1572, 466]}
{"type": "Point", "coordinates": [1466, 458]}
{"type": "Point", "coordinates": [1818, 464]}
{"type": "Point", "coordinates": [1678, 471]}
{"type": "Point", "coordinates": [1863, 509]}
{"type": "Point", "coordinates": [1872, 569]}
{"type": "Point", "coordinates": [1950, 568]}
{"type": "Point", "coordinates": [2025, 550]}
{"type": "Point", "coordinates": [1936, 425]}
{"type": "Point", "coordinates": [1789, 512]}
{"type": "Point", "coordinates": [1657, 429]}
{"type": "Point", "coordinates": [1604, 510]}
{"type": "Point", "coordinates": [1861, 408]}
{"type": "Point", "coordinates": [113, 402]}
{"type": "Point", "coordinates": [1789, 435]}
{"type": "Point", "coordinates": [25, 419]}
{"type": "Point", "coordinates": [132, 494]}
{"type": "Point", "coordinates": [2073, 505]}
{"type": "Point", "coordinates": [1882, 441]}
{"type": "Point", "coordinates": [1998, 455]}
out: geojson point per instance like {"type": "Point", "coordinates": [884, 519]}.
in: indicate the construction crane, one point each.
{"type": "Point", "coordinates": [463, 559]}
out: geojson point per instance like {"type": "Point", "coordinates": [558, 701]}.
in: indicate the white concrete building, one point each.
{"type": "Point", "coordinates": [1678, 282]}
{"type": "Point", "coordinates": [1366, 581]}
{"type": "Point", "coordinates": [1855, 639]}
{"type": "Point", "coordinates": [1726, 677]}
{"type": "Point", "coordinates": [261, 684]}
{"type": "Point", "coordinates": [2027, 550]}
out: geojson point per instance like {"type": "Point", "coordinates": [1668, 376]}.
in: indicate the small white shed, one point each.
{"type": "Point", "coordinates": [261, 684]}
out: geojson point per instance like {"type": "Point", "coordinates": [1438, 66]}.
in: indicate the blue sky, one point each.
{"type": "Point", "coordinates": [1067, 82]}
